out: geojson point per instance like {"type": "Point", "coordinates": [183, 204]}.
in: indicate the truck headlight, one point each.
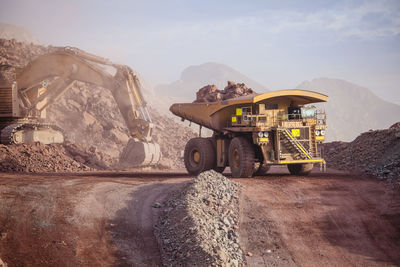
{"type": "Point", "coordinates": [266, 134]}
{"type": "Point", "coordinates": [260, 134]}
{"type": "Point", "coordinates": [317, 132]}
{"type": "Point", "coordinates": [322, 132]}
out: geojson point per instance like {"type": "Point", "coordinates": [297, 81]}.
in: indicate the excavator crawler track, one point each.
{"type": "Point", "coordinates": [9, 134]}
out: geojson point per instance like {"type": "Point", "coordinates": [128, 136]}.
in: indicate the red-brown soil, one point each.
{"type": "Point", "coordinates": [107, 218]}
{"type": "Point", "coordinates": [325, 219]}
{"type": "Point", "coordinates": [91, 219]}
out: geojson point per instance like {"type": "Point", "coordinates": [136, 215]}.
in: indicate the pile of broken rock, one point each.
{"type": "Point", "coordinates": [38, 157]}
{"type": "Point", "coordinates": [199, 225]}
{"type": "Point", "coordinates": [373, 152]}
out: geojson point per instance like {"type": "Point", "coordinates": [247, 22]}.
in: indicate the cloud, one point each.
{"type": "Point", "coordinates": [371, 20]}
{"type": "Point", "coordinates": [366, 21]}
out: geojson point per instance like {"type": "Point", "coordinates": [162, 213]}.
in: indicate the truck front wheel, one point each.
{"type": "Point", "coordinates": [241, 157]}
{"type": "Point", "coordinates": [300, 169]}
{"type": "Point", "coordinates": [199, 156]}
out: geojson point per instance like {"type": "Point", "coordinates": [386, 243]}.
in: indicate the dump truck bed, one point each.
{"type": "Point", "coordinates": [215, 115]}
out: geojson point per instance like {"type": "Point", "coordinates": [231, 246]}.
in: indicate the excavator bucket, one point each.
{"type": "Point", "coordinates": [138, 154]}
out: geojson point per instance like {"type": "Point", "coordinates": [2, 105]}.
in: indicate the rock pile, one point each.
{"type": "Point", "coordinates": [199, 226]}
{"type": "Point", "coordinates": [91, 117]}
{"type": "Point", "coordinates": [51, 158]}
{"type": "Point", "coordinates": [210, 93]}
{"type": "Point", "coordinates": [373, 152]}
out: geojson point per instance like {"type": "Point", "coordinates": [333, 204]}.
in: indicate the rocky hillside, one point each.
{"type": "Point", "coordinates": [91, 117]}
{"type": "Point", "coordinates": [195, 77]}
{"type": "Point", "coordinates": [20, 34]}
{"type": "Point", "coordinates": [352, 109]}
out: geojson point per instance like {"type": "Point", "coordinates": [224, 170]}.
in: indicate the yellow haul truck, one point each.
{"type": "Point", "coordinates": [253, 132]}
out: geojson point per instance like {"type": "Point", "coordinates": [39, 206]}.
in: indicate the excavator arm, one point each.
{"type": "Point", "coordinates": [46, 78]}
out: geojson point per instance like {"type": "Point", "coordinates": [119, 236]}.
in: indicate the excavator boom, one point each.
{"type": "Point", "coordinates": [43, 80]}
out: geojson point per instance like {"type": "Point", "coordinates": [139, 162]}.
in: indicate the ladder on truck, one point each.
{"type": "Point", "coordinates": [293, 145]}
{"type": "Point", "coordinates": [313, 147]}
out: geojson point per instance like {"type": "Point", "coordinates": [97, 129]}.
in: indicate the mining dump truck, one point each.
{"type": "Point", "coordinates": [253, 132]}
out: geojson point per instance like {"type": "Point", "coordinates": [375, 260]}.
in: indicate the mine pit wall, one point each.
{"type": "Point", "coordinates": [199, 225]}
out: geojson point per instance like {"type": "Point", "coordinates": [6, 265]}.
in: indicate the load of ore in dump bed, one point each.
{"type": "Point", "coordinates": [90, 116]}
{"type": "Point", "coordinates": [210, 93]}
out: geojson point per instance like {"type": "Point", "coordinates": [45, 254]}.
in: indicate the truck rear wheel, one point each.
{"type": "Point", "coordinates": [241, 157]}
{"type": "Point", "coordinates": [199, 156]}
{"type": "Point", "coordinates": [262, 170]}
{"type": "Point", "coordinates": [300, 169]}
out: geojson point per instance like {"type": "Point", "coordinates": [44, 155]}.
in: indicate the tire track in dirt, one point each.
{"type": "Point", "coordinates": [323, 219]}
{"type": "Point", "coordinates": [101, 219]}
{"type": "Point", "coordinates": [133, 227]}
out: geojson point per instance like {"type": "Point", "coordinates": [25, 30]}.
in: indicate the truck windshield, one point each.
{"type": "Point", "coordinates": [308, 112]}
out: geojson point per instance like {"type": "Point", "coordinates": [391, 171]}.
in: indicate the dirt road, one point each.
{"type": "Point", "coordinates": [102, 219]}
{"type": "Point", "coordinates": [91, 219]}
{"type": "Point", "coordinates": [329, 219]}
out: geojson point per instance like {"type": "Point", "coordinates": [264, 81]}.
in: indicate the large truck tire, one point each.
{"type": "Point", "coordinates": [262, 170]}
{"type": "Point", "coordinates": [300, 169]}
{"type": "Point", "coordinates": [199, 156]}
{"type": "Point", "coordinates": [241, 157]}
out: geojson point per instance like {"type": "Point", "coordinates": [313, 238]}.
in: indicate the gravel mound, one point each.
{"type": "Point", "coordinates": [38, 157]}
{"type": "Point", "coordinates": [210, 93]}
{"type": "Point", "coordinates": [199, 226]}
{"type": "Point", "coordinates": [373, 152]}
{"type": "Point", "coordinates": [90, 114]}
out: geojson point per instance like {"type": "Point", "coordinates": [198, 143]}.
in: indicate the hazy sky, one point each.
{"type": "Point", "coordinates": [277, 43]}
